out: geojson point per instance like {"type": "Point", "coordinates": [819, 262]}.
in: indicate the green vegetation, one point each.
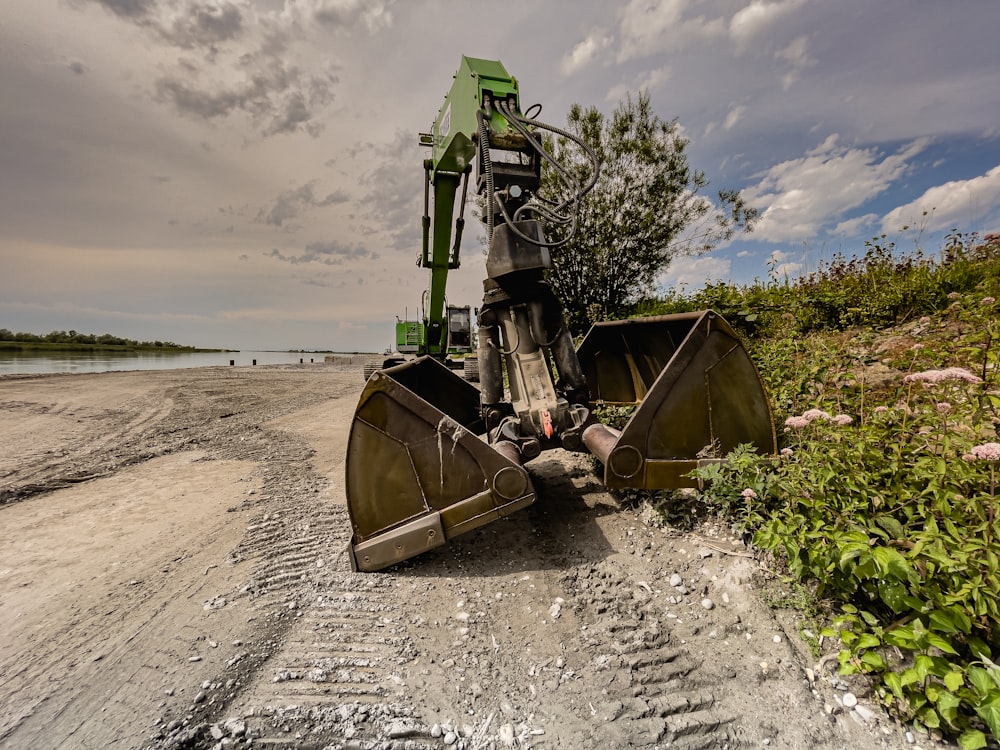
{"type": "Point", "coordinates": [884, 372]}
{"type": "Point", "coordinates": [647, 206]}
{"type": "Point", "coordinates": [71, 340]}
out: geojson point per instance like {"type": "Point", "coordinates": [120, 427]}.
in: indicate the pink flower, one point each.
{"type": "Point", "coordinates": [813, 414]}
{"type": "Point", "coordinates": [953, 295]}
{"type": "Point", "coordinates": [916, 347]}
{"type": "Point", "coordinates": [986, 452]}
{"type": "Point", "coordinates": [881, 409]}
{"type": "Point", "coordinates": [749, 494]}
{"type": "Point", "coordinates": [943, 407]}
{"type": "Point", "coordinates": [987, 300]}
{"type": "Point", "coordinates": [842, 419]}
{"type": "Point", "coordinates": [940, 376]}
{"type": "Point", "coordinates": [796, 423]}
{"type": "Point", "coordinates": [786, 452]}
{"type": "Point", "coordinates": [925, 319]}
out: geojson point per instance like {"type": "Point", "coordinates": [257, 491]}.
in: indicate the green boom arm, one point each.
{"type": "Point", "coordinates": [453, 143]}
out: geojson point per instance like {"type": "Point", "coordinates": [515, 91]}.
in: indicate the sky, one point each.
{"type": "Point", "coordinates": [246, 174]}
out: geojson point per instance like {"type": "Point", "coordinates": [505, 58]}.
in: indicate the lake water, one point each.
{"type": "Point", "coordinates": [17, 363]}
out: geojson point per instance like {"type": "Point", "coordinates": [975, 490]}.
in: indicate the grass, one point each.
{"type": "Point", "coordinates": [884, 373]}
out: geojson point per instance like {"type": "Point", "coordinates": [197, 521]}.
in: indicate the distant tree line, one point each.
{"type": "Point", "coordinates": [72, 337]}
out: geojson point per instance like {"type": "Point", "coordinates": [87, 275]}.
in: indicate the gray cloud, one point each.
{"type": "Point", "coordinates": [133, 10]}
{"type": "Point", "coordinates": [395, 187]}
{"type": "Point", "coordinates": [290, 203]}
{"type": "Point", "coordinates": [187, 25]}
{"type": "Point", "coordinates": [204, 25]}
{"type": "Point", "coordinates": [229, 37]}
{"type": "Point", "coordinates": [278, 100]}
{"type": "Point", "coordinates": [331, 253]}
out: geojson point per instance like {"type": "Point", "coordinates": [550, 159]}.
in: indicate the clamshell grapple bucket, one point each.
{"type": "Point", "coordinates": [696, 391]}
{"type": "Point", "coordinates": [418, 471]}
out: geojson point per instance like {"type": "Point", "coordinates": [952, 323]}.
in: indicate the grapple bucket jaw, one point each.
{"type": "Point", "coordinates": [418, 472]}
{"type": "Point", "coordinates": [697, 392]}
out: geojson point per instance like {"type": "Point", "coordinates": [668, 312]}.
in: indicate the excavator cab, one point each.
{"type": "Point", "coordinates": [431, 456]}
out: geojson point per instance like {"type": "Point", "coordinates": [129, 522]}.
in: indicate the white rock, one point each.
{"type": "Point", "coordinates": [676, 580]}
{"type": "Point", "coordinates": [850, 700]}
{"type": "Point", "coordinates": [707, 603]}
{"type": "Point", "coordinates": [506, 735]}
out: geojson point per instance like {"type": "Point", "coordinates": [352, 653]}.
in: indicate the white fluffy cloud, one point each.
{"type": "Point", "coordinates": [961, 204]}
{"type": "Point", "coordinates": [585, 51]}
{"type": "Point", "coordinates": [650, 27]}
{"type": "Point", "coordinates": [802, 196]}
{"type": "Point", "coordinates": [686, 271]}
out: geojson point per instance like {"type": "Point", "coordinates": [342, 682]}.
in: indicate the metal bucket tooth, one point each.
{"type": "Point", "coordinates": [418, 472]}
{"type": "Point", "coordinates": [698, 396]}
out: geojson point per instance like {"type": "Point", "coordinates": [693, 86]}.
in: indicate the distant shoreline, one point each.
{"type": "Point", "coordinates": [47, 346]}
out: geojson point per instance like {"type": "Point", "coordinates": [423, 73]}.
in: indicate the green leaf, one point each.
{"type": "Point", "coordinates": [873, 660]}
{"type": "Point", "coordinates": [980, 680]}
{"type": "Point", "coordinates": [930, 718]}
{"type": "Point", "coordinates": [891, 525]}
{"type": "Point", "coordinates": [947, 707]}
{"type": "Point", "coordinates": [894, 683]}
{"type": "Point", "coordinates": [867, 640]}
{"type": "Point", "coordinates": [972, 739]}
{"type": "Point", "coordinates": [954, 680]}
{"type": "Point", "coordinates": [901, 637]}
{"type": "Point", "coordinates": [890, 563]}
{"type": "Point", "coordinates": [990, 713]}
{"type": "Point", "coordinates": [943, 621]}
{"type": "Point", "coordinates": [935, 640]}
{"type": "Point", "coordinates": [922, 664]}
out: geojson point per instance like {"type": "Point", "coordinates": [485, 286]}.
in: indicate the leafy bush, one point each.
{"type": "Point", "coordinates": [885, 496]}
{"type": "Point", "coordinates": [882, 287]}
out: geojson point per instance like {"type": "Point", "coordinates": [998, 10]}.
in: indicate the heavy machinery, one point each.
{"type": "Point", "coordinates": [430, 456]}
{"type": "Point", "coordinates": [412, 339]}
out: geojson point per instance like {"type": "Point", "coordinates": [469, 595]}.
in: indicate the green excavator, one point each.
{"type": "Point", "coordinates": [431, 456]}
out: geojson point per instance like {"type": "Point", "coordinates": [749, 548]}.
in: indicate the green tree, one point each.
{"type": "Point", "coordinates": [646, 208]}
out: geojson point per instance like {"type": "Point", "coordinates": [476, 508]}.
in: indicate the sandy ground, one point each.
{"type": "Point", "coordinates": [172, 576]}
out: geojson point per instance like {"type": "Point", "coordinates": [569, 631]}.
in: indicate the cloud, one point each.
{"type": "Point", "coordinates": [797, 55]}
{"type": "Point", "coordinates": [292, 202]}
{"type": "Point", "coordinates": [374, 15]}
{"type": "Point", "coordinates": [649, 81]}
{"type": "Point", "coordinates": [277, 99]}
{"type": "Point", "coordinates": [757, 17]}
{"type": "Point", "coordinates": [960, 204]}
{"type": "Point", "coordinates": [781, 266]}
{"type": "Point", "coordinates": [804, 195]}
{"type": "Point", "coordinates": [585, 51]}
{"type": "Point", "coordinates": [395, 189]}
{"type": "Point", "coordinates": [662, 25]}
{"type": "Point", "coordinates": [853, 227]}
{"type": "Point", "coordinates": [688, 271]}
{"type": "Point", "coordinates": [77, 67]}
{"type": "Point", "coordinates": [128, 9]}
{"type": "Point", "coordinates": [330, 253]}
{"type": "Point", "coordinates": [186, 25]}
{"type": "Point", "coordinates": [247, 64]}
{"type": "Point", "coordinates": [735, 114]}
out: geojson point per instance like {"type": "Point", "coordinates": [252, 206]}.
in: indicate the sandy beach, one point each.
{"type": "Point", "coordinates": [172, 576]}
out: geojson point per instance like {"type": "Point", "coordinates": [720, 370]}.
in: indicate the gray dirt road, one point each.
{"type": "Point", "coordinates": [172, 576]}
